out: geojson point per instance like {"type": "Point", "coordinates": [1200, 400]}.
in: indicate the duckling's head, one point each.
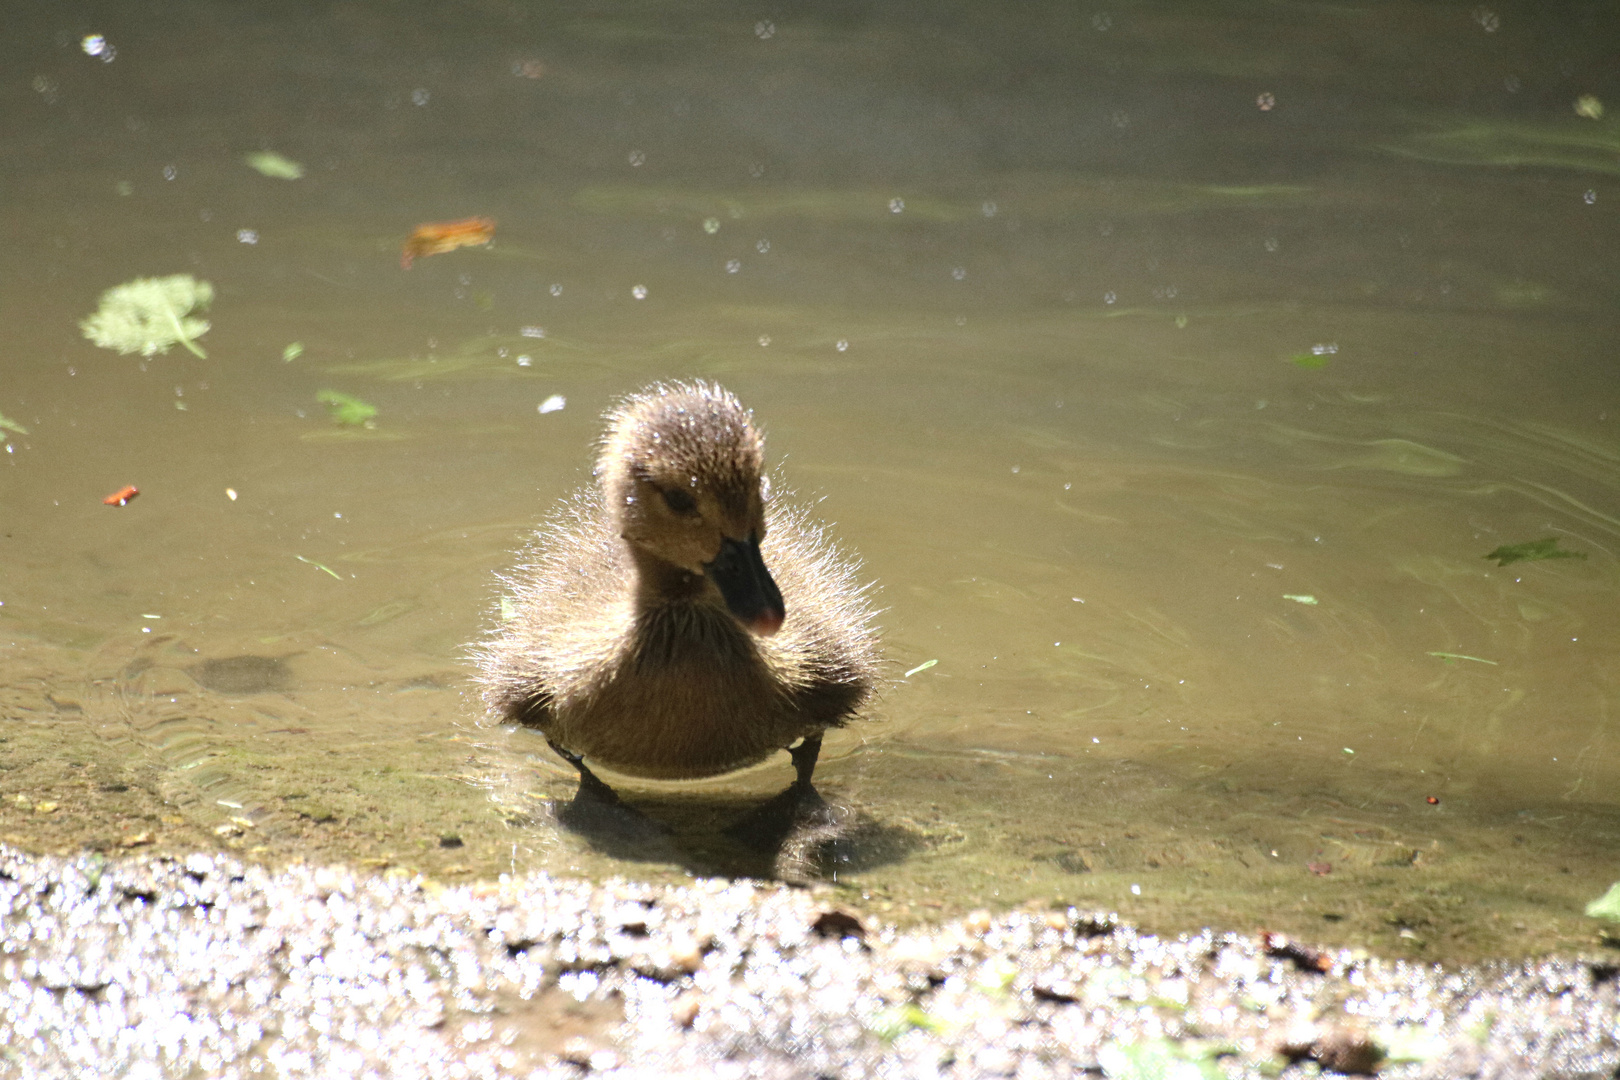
{"type": "Point", "coordinates": [682, 468]}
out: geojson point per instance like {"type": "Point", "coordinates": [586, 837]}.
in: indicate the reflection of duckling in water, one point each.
{"type": "Point", "coordinates": [676, 623]}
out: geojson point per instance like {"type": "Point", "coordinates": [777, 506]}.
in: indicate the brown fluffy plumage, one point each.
{"type": "Point", "coordinates": [621, 649]}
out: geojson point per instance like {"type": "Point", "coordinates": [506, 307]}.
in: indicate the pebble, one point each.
{"type": "Point", "coordinates": [206, 966]}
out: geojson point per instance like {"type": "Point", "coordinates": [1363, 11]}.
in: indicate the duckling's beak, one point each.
{"type": "Point", "coordinates": [751, 595]}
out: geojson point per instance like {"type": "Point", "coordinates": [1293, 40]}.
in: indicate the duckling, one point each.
{"type": "Point", "coordinates": [676, 621]}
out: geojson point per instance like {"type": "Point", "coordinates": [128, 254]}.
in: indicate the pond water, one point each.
{"type": "Point", "coordinates": [1173, 368]}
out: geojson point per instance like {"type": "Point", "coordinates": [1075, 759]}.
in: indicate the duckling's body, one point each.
{"type": "Point", "coordinates": [674, 624]}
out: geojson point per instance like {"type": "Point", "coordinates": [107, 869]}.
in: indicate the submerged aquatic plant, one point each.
{"type": "Point", "coordinates": [346, 410]}
{"type": "Point", "coordinates": [1578, 145]}
{"type": "Point", "coordinates": [8, 424]}
{"type": "Point", "coordinates": [148, 315]}
{"type": "Point", "coordinates": [1531, 550]}
{"type": "Point", "coordinates": [1606, 906]}
{"type": "Point", "coordinates": [273, 165]}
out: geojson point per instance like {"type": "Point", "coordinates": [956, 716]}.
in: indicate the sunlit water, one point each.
{"type": "Point", "coordinates": [1173, 370]}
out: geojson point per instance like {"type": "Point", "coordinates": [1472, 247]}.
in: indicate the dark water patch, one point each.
{"type": "Point", "coordinates": [243, 674]}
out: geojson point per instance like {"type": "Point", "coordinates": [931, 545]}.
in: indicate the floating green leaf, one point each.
{"type": "Point", "coordinates": [319, 566]}
{"type": "Point", "coordinates": [1606, 906]}
{"type": "Point", "coordinates": [346, 410]}
{"type": "Point", "coordinates": [148, 315]}
{"type": "Point", "coordinates": [8, 424]}
{"type": "Point", "coordinates": [924, 666]}
{"type": "Point", "coordinates": [1532, 550]}
{"type": "Point", "coordinates": [293, 351]}
{"type": "Point", "coordinates": [274, 165]}
{"type": "Point", "coordinates": [1300, 599]}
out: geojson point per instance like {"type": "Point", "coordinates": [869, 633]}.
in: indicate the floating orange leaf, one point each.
{"type": "Point", "coordinates": [122, 496]}
{"type": "Point", "coordinates": [438, 237]}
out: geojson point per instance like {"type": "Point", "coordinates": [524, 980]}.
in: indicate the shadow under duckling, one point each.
{"type": "Point", "coordinates": [675, 622]}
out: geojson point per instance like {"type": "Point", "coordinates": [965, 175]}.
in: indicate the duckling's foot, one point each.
{"type": "Point", "coordinates": [597, 814]}
{"type": "Point", "coordinates": [798, 825]}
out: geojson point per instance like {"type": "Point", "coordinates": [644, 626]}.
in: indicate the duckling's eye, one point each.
{"type": "Point", "coordinates": [679, 501]}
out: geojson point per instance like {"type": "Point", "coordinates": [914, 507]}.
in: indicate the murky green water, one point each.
{"type": "Point", "coordinates": [1173, 367]}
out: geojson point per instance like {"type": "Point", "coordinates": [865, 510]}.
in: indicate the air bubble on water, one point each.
{"type": "Point", "coordinates": [170, 172]}
{"type": "Point", "coordinates": [639, 292]}
{"type": "Point", "coordinates": [1120, 118]}
{"type": "Point", "coordinates": [1590, 197]}
{"type": "Point", "coordinates": [763, 246]}
{"type": "Point", "coordinates": [1324, 350]}
{"type": "Point", "coordinates": [46, 87]}
{"type": "Point", "coordinates": [1015, 470]}
{"type": "Point", "coordinates": [764, 340]}
{"type": "Point", "coordinates": [501, 352]}
{"type": "Point", "coordinates": [842, 346]}
{"type": "Point", "coordinates": [419, 96]}
{"type": "Point", "coordinates": [756, 170]}
{"type": "Point", "coordinates": [524, 360]}
{"type": "Point", "coordinates": [1266, 101]}
{"type": "Point", "coordinates": [247, 236]}
{"type": "Point", "coordinates": [988, 208]}
{"type": "Point", "coordinates": [733, 265]}
{"type": "Point", "coordinates": [533, 331]}
{"type": "Point", "coordinates": [1105, 229]}
{"type": "Point", "coordinates": [1511, 84]}
{"type": "Point", "coordinates": [711, 225]}
{"type": "Point", "coordinates": [1109, 298]}
{"type": "Point", "coordinates": [99, 47]}
{"type": "Point", "coordinates": [960, 273]}
{"type": "Point", "coordinates": [1101, 21]}
{"type": "Point", "coordinates": [556, 290]}
{"type": "Point", "coordinates": [554, 403]}
{"type": "Point", "coordinates": [1487, 19]}
{"type": "Point", "coordinates": [1272, 244]}
{"type": "Point", "coordinates": [764, 29]}
{"type": "Point", "coordinates": [896, 205]}
{"type": "Point", "coordinates": [637, 159]}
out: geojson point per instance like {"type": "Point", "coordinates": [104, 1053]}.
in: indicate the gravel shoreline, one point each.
{"type": "Point", "coordinates": [205, 966]}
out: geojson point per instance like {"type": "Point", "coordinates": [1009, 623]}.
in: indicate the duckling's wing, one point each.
{"type": "Point", "coordinates": [827, 648]}
{"type": "Point", "coordinates": [567, 615]}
